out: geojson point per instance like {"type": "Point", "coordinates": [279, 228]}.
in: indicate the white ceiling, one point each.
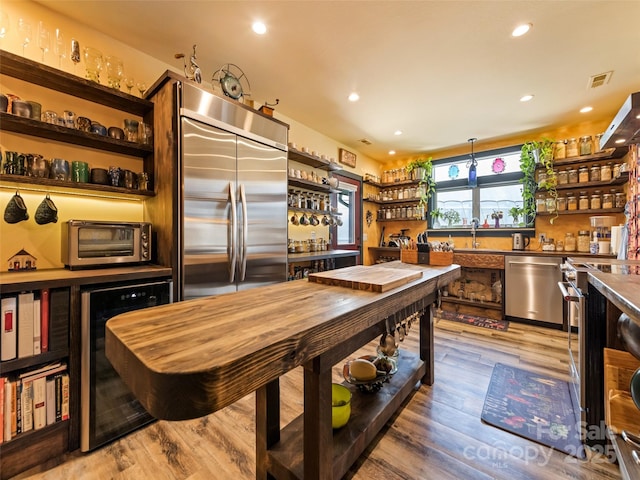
{"type": "Point", "coordinates": [440, 71]}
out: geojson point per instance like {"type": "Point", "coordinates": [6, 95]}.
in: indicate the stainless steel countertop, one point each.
{"type": "Point", "coordinates": [621, 290]}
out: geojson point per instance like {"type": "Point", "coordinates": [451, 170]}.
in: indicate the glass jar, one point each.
{"type": "Point", "coordinates": [585, 145]}
{"type": "Point", "coordinates": [572, 174]}
{"type": "Point", "coordinates": [583, 241]}
{"type": "Point", "coordinates": [594, 173]}
{"type": "Point", "coordinates": [570, 242]}
{"type": "Point", "coordinates": [620, 200]}
{"type": "Point", "coordinates": [605, 172]}
{"type": "Point", "coordinates": [572, 202]}
{"type": "Point", "coordinates": [583, 202]}
{"type": "Point", "coordinates": [548, 245]}
{"type": "Point", "coordinates": [559, 150]}
{"type": "Point", "coordinates": [541, 205]}
{"type": "Point", "coordinates": [542, 177]}
{"type": "Point", "coordinates": [583, 174]}
{"type": "Point", "coordinates": [616, 170]}
{"type": "Point", "coordinates": [596, 142]}
{"type": "Point", "coordinates": [563, 177]}
{"type": "Point", "coordinates": [572, 148]}
{"type": "Point", "coordinates": [550, 203]}
{"type": "Point", "coordinates": [607, 200]}
{"type": "Point", "coordinates": [561, 203]}
{"type": "Point", "coordinates": [595, 203]}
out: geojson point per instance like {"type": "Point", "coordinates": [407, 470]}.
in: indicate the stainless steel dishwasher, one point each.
{"type": "Point", "coordinates": [531, 288]}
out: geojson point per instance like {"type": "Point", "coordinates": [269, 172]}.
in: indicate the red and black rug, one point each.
{"type": "Point", "coordinates": [533, 406]}
{"type": "Point", "coordinates": [473, 320]}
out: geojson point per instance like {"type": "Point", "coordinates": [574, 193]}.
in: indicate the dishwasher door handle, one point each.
{"type": "Point", "coordinates": [535, 264]}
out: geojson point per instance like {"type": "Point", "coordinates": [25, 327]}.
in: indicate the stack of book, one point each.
{"type": "Point", "coordinates": [33, 399]}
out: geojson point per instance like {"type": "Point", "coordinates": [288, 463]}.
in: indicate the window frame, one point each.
{"type": "Point", "coordinates": [497, 179]}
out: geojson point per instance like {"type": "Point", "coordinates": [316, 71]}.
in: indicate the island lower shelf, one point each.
{"type": "Point", "coordinates": [369, 414]}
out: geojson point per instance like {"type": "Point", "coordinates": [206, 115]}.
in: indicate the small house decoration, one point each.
{"type": "Point", "coordinates": [22, 261]}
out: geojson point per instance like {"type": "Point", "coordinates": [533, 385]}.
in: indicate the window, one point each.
{"type": "Point", "coordinates": [499, 190]}
{"type": "Point", "coordinates": [346, 234]}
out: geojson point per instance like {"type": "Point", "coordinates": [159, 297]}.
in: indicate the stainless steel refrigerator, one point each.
{"type": "Point", "coordinates": [233, 201]}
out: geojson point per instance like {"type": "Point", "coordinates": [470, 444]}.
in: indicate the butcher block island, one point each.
{"type": "Point", "coordinates": [192, 358]}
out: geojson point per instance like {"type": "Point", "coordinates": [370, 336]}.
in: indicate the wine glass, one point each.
{"type": "Point", "coordinates": [129, 82]}
{"type": "Point", "coordinates": [59, 47]}
{"type": "Point", "coordinates": [24, 30]}
{"type": "Point", "coordinates": [115, 71]}
{"type": "Point", "coordinates": [93, 63]}
{"type": "Point", "coordinates": [44, 39]}
{"type": "Point", "coordinates": [141, 86]}
{"type": "Point", "coordinates": [4, 24]}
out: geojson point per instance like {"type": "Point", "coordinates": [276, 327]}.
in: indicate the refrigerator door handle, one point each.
{"type": "Point", "coordinates": [245, 234]}
{"type": "Point", "coordinates": [233, 255]}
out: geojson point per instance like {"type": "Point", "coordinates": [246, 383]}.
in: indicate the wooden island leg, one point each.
{"type": "Point", "coordinates": [426, 344]}
{"type": "Point", "coordinates": [318, 432]}
{"type": "Point", "coordinates": [267, 425]}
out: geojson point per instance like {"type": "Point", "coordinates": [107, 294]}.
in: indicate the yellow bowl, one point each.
{"type": "Point", "coordinates": [340, 405]}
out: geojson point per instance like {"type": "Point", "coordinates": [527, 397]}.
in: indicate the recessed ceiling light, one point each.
{"type": "Point", "coordinates": [586, 109]}
{"type": "Point", "coordinates": [259, 27]}
{"type": "Point", "coordinates": [354, 97]}
{"type": "Point", "coordinates": [398, 132]}
{"type": "Point", "coordinates": [621, 140]}
{"type": "Point", "coordinates": [392, 152]}
{"type": "Point", "coordinates": [521, 29]}
{"type": "Point", "coordinates": [526, 98]}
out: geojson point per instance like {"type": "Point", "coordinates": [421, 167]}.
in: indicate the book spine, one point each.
{"type": "Point", "coordinates": [39, 403]}
{"type": "Point", "coordinates": [44, 320]}
{"type": "Point", "coordinates": [8, 330]}
{"type": "Point", "coordinates": [8, 410]}
{"type": "Point", "coordinates": [36, 327]}
{"type": "Point", "coordinates": [18, 401]}
{"type": "Point", "coordinates": [26, 398]}
{"type": "Point", "coordinates": [58, 380]}
{"type": "Point", "coordinates": [65, 396]}
{"type": "Point", "coordinates": [14, 408]}
{"type": "Point", "coordinates": [51, 400]}
{"type": "Point", "coordinates": [25, 325]}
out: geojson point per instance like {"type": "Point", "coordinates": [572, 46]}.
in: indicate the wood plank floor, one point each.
{"type": "Point", "coordinates": [437, 435]}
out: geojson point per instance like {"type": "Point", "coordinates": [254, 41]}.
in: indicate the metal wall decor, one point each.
{"type": "Point", "coordinates": [191, 71]}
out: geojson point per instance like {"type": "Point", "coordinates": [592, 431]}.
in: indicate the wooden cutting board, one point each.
{"type": "Point", "coordinates": [361, 277]}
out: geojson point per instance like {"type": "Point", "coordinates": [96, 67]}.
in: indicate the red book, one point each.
{"type": "Point", "coordinates": [44, 320]}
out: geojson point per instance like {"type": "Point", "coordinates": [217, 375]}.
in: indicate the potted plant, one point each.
{"type": "Point", "coordinates": [451, 216]}
{"type": "Point", "coordinates": [532, 154]}
{"type": "Point", "coordinates": [422, 170]}
{"type": "Point", "coordinates": [516, 212]}
{"type": "Point", "coordinates": [436, 215]}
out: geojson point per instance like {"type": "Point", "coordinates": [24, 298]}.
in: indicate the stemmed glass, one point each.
{"type": "Point", "coordinates": [24, 30]}
{"type": "Point", "coordinates": [44, 39]}
{"type": "Point", "coordinates": [129, 82]}
{"type": "Point", "coordinates": [4, 24]}
{"type": "Point", "coordinates": [141, 86]}
{"type": "Point", "coordinates": [115, 71]}
{"type": "Point", "coordinates": [59, 47]}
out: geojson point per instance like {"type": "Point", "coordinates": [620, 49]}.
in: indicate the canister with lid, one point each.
{"type": "Point", "coordinates": [594, 173]}
{"type": "Point", "coordinates": [570, 242]}
{"type": "Point", "coordinates": [583, 174]}
{"type": "Point", "coordinates": [585, 145]}
{"type": "Point", "coordinates": [572, 174]}
{"type": "Point", "coordinates": [572, 148]}
{"type": "Point", "coordinates": [561, 203]}
{"type": "Point", "coordinates": [595, 203]}
{"type": "Point", "coordinates": [572, 202]}
{"type": "Point", "coordinates": [583, 241]}
{"type": "Point", "coordinates": [563, 177]}
{"type": "Point", "coordinates": [583, 202]}
{"type": "Point", "coordinates": [605, 172]}
{"type": "Point", "coordinates": [607, 200]}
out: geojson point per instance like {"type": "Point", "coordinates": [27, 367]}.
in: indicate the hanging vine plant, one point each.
{"type": "Point", "coordinates": [532, 155]}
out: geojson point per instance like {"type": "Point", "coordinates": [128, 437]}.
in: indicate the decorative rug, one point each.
{"type": "Point", "coordinates": [533, 406]}
{"type": "Point", "coordinates": [474, 320]}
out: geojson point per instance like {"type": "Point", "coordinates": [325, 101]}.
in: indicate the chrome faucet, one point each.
{"type": "Point", "coordinates": [475, 222]}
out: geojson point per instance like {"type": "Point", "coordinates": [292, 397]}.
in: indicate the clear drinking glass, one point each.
{"type": "Point", "coordinates": [24, 31]}
{"type": "Point", "coordinates": [59, 47]}
{"type": "Point", "coordinates": [44, 39]}
{"type": "Point", "coordinates": [93, 63]}
{"type": "Point", "coordinates": [129, 82]}
{"type": "Point", "coordinates": [115, 71]}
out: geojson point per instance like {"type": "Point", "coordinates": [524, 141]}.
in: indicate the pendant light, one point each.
{"type": "Point", "coordinates": [471, 165]}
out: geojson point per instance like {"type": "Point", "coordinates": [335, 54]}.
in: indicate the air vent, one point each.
{"type": "Point", "coordinates": [365, 141]}
{"type": "Point", "coordinates": [599, 79]}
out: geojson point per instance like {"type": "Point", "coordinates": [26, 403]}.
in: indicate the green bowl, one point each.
{"type": "Point", "coordinates": [340, 405]}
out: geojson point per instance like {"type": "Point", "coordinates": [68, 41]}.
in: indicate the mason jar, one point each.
{"type": "Point", "coordinates": [583, 175]}
{"type": "Point", "coordinates": [572, 148]}
{"type": "Point", "coordinates": [595, 203]}
{"type": "Point", "coordinates": [585, 145]}
{"type": "Point", "coordinates": [559, 150]}
{"type": "Point", "coordinates": [563, 177]}
{"type": "Point", "coordinates": [570, 242]}
{"type": "Point", "coordinates": [605, 172]}
{"type": "Point", "coordinates": [542, 177]}
{"type": "Point", "coordinates": [541, 203]}
{"type": "Point", "coordinates": [561, 203]}
{"type": "Point", "coordinates": [596, 142]}
{"type": "Point", "coordinates": [607, 200]}
{"type": "Point", "coordinates": [620, 200]}
{"type": "Point", "coordinates": [583, 241]}
{"type": "Point", "coordinates": [594, 173]}
{"type": "Point", "coordinates": [550, 203]}
{"type": "Point", "coordinates": [572, 174]}
{"type": "Point", "coordinates": [583, 202]}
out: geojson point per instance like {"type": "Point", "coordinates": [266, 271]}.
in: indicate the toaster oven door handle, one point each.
{"type": "Point", "coordinates": [565, 292]}
{"type": "Point", "coordinates": [233, 254]}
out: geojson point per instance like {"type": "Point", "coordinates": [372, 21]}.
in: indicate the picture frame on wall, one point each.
{"type": "Point", "coordinates": [347, 158]}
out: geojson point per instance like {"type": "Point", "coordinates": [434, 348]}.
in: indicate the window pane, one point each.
{"type": "Point", "coordinates": [500, 199]}
{"type": "Point", "coordinates": [346, 231]}
{"type": "Point", "coordinates": [459, 201]}
{"type": "Point", "coordinates": [487, 165]}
